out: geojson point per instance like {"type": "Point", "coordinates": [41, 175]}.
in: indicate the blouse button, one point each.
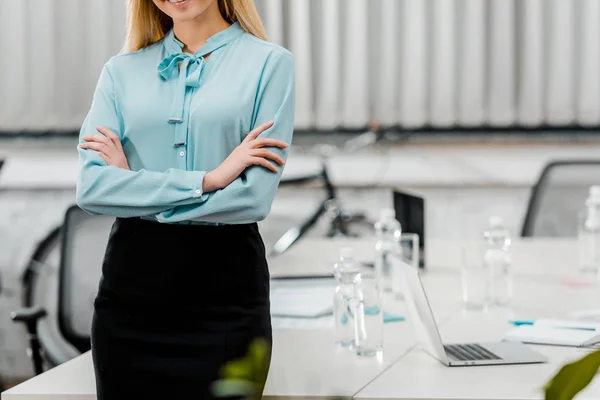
{"type": "Point", "coordinates": [198, 191]}
{"type": "Point", "coordinates": [182, 153]}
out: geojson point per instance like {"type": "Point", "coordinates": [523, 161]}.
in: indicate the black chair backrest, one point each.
{"type": "Point", "coordinates": [41, 253]}
{"type": "Point", "coordinates": [558, 198]}
{"type": "Point", "coordinates": [84, 240]}
{"type": "Point", "coordinates": [40, 285]}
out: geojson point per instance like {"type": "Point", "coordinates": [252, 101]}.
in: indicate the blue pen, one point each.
{"type": "Point", "coordinates": [387, 317]}
{"type": "Point", "coordinates": [577, 328]}
{"type": "Point", "coordinates": [521, 322]}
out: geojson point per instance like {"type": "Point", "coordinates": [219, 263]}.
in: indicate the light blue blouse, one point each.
{"type": "Point", "coordinates": [178, 122]}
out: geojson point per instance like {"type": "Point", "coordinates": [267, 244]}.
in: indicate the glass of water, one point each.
{"type": "Point", "coordinates": [588, 242]}
{"type": "Point", "coordinates": [410, 248]}
{"type": "Point", "coordinates": [475, 279]}
{"type": "Point", "coordinates": [368, 322]}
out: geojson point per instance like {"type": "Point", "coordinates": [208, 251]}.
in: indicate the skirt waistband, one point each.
{"type": "Point", "coordinates": [189, 222]}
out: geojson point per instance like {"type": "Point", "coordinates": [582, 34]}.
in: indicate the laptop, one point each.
{"type": "Point", "coordinates": [410, 212]}
{"type": "Point", "coordinates": [454, 355]}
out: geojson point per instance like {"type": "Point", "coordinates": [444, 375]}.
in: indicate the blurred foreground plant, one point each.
{"type": "Point", "coordinates": [245, 377]}
{"type": "Point", "coordinates": [573, 378]}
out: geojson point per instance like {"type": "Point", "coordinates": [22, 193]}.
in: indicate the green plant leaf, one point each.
{"type": "Point", "coordinates": [573, 378]}
{"type": "Point", "coordinates": [258, 355]}
{"type": "Point", "coordinates": [237, 369]}
{"type": "Point", "coordinates": [245, 376]}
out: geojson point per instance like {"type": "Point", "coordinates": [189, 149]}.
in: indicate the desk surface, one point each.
{"type": "Point", "coordinates": [307, 365]}
{"type": "Point", "coordinates": [552, 259]}
{"type": "Point", "coordinates": [420, 376]}
{"type": "Point", "coordinates": [73, 379]}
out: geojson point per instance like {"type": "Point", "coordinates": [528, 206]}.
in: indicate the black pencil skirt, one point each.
{"type": "Point", "coordinates": [175, 304]}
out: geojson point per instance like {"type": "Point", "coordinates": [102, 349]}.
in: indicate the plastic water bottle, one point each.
{"type": "Point", "coordinates": [498, 263]}
{"type": "Point", "coordinates": [346, 272]}
{"type": "Point", "coordinates": [388, 250]}
{"type": "Point", "coordinates": [589, 234]}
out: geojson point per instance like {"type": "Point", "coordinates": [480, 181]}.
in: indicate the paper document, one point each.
{"type": "Point", "coordinates": [556, 332]}
{"type": "Point", "coordinates": [302, 298]}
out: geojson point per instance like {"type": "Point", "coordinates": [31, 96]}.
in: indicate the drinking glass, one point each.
{"type": "Point", "coordinates": [475, 279]}
{"type": "Point", "coordinates": [588, 244]}
{"type": "Point", "coordinates": [409, 254]}
{"type": "Point", "coordinates": [410, 246]}
{"type": "Point", "coordinates": [368, 322]}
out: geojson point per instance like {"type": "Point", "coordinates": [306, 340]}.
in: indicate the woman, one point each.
{"type": "Point", "coordinates": [185, 143]}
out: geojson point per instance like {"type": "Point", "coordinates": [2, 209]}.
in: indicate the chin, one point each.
{"type": "Point", "coordinates": [184, 10]}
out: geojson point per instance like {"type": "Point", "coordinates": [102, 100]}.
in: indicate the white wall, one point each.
{"type": "Point", "coordinates": [407, 62]}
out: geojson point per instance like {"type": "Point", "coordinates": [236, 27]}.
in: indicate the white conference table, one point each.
{"type": "Point", "coordinates": [306, 364]}
{"type": "Point", "coordinates": [417, 375]}
{"type": "Point", "coordinates": [551, 259]}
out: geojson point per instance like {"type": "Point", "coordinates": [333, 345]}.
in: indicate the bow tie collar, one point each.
{"type": "Point", "coordinates": [187, 68]}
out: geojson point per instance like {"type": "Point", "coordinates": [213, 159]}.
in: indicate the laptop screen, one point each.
{"type": "Point", "coordinates": [424, 324]}
{"type": "Point", "coordinates": [410, 211]}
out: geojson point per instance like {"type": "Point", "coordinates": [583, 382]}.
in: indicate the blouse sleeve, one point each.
{"type": "Point", "coordinates": [249, 197]}
{"type": "Point", "coordinates": [103, 189]}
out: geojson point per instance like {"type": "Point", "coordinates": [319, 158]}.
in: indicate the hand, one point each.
{"type": "Point", "coordinates": [250, 152]}
{"type": "Point", "coordinates": [108, 146]}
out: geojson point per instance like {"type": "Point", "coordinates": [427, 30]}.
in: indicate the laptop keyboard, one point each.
{"type": "Point", "coordinates": [469, 352]}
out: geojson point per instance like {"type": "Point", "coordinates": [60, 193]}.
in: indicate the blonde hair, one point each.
{"type": "Point", "coordinates": [147, 24]}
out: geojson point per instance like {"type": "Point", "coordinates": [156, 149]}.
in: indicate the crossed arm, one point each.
{"type": "Point", "coordinates": [106, 185]}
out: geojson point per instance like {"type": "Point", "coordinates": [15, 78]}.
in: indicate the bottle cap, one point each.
{"type": "Point", "coordinates": [387, 213]}
{"type": "Point", "coordinates": [496, 221]}
{"type": "Point", "coordinates": [347, 252]}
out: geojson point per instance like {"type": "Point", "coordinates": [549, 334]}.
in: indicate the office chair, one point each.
{"type": "Point", "coordinates": [558, 198]}
{"type": "Point", "coordinates": [40, 283]}
{"type": "Point", "coordinates": [59, 306]}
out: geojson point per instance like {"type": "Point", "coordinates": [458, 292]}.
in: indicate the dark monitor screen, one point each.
{"type": "Point", "coordinates": [410, 211]}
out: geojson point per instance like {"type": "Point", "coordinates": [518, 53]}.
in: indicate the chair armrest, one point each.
{"type": "Point", "coordinates": [29, 316]}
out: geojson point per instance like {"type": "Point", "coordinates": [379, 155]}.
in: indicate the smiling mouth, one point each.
{"type": "Point", "coordinates": [178, 2]}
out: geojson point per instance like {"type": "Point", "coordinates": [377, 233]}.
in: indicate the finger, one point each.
{"type": "Point", "coordinates": [263, 162]}
{"type": "Point", "coordinates": [258, 130]}
{"type": "Point", "coordinates": [264, 153]}
{"type": "Point", "coordinates": [112, 136]}
{"type": "Point", "coordinates": [94, 138]}
{"type": "Point", "coordinates": [269, 142]}
{"type": "Point", "coordinates": [97, 146]}
{"type": "Point", "coordinates": [100, 139]}
{"type": "Point", "coordinates": [104, 138]}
